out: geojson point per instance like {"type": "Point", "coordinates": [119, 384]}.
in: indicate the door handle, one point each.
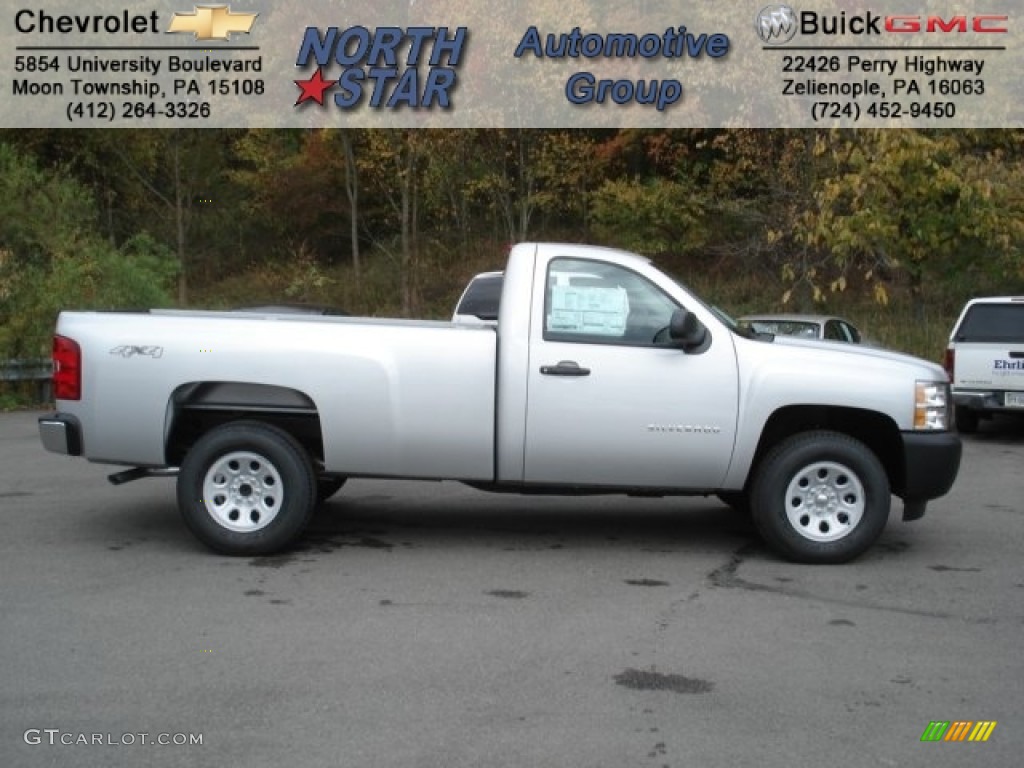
{"type": "Point", "coordinates": [564, 368]}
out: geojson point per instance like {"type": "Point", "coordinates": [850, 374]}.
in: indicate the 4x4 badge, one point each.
{"type": "Point", "coordinates": [131, 350]}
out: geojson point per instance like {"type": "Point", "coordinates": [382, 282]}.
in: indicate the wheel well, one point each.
{"type": "Point", "coordinates": [198, 407]}
{"type": "Point", "coordinates": [877, 431]}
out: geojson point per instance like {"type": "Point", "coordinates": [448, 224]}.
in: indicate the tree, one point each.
{"type": "Point", "coordinates": [396, 157]}
{"type": "Point", "coordinates": [352, 191]}
{"type": "Point", "coordinates": [923, 204]}
{"type": "Point", "coordinates": [525, 173]}
{"type": "Point", "coordinates": [179, 171]}
{"type": "Point", "coordinates": [53, 256]}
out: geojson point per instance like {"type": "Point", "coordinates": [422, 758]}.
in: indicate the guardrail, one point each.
{"type": "Point", "coordinates": [38, 371]}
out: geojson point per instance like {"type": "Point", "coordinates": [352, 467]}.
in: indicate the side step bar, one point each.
{"type": "Point", "coordinates": [120, 478]}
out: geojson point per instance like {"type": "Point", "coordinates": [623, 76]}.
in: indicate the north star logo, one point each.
{"type": "Point", "coordinates": [212, 22]}
{"type": "Point", "coordinates": [385, 68]}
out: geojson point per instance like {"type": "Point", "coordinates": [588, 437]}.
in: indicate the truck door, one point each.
{"type": "Point", "coordinates": [608, 403]}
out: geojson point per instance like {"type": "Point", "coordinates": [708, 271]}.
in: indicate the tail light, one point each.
{"type": "Point", "coordinates": [949, 361]}
{"type": "Point", "coordinates": [67, 369]}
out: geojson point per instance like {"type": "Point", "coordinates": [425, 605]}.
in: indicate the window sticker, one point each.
{"type": "Point", "coordinates": [588, 310]}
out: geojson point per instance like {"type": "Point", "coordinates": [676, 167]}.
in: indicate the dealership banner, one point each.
{"type": "Point", "coordinates": [529, 64]}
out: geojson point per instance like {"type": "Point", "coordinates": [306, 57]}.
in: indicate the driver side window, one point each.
{"type": "Point", "coordinates": [595, 302]}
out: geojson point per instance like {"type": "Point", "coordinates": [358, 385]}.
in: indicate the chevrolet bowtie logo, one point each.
{"type": "Point", "coordinates": [212, 22]}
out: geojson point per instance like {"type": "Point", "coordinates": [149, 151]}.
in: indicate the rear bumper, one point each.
{"type": "Point", "coordinates": [931, 461]}
{"type": "Point", "coordinates": [61, 433]}
{"type": "Point", "coordinates": [983, 401]}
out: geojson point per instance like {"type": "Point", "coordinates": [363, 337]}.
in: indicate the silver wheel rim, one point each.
{"type": "Point", "coordinates": [825, 501]}
{"type": "Point", "coordinates": [243, 491]}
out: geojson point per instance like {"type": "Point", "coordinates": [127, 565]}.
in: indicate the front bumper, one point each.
{"type": "Point", "coordinates": [61, 433]}
{"type": "Point", "coordinates": [931, 461]}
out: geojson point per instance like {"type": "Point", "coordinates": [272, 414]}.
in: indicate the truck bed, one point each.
{"type": "Point", "coordinates": [395, 397]}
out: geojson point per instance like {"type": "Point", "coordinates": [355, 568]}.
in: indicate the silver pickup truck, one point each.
{"type": "Point", "coordinates": [621, 381]}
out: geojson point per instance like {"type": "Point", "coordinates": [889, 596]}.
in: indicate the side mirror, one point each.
{"type": "Point", "coordinates": [686, 330]}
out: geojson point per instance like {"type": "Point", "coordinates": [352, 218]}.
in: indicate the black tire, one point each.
{"type": "Point", "coordinates": [246, 488]}
{"type": "Point", "coordinates": [966, 420]}
{"type": "Point", "coordinates": [327, 486]}
{"type": "Point", "coordinates": [820, 497]}
{"type": "Point", "coordinates": [738, 501]}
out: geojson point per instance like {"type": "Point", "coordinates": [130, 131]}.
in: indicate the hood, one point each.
{"type": "Point", "coordinates": [852, 355]}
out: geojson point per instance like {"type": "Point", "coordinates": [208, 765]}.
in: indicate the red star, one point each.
{"type": "Point", "coordinates": [313, 88]}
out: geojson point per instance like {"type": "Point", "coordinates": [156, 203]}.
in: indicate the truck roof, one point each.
{"type": "Point", "coordinates": [995, 300]}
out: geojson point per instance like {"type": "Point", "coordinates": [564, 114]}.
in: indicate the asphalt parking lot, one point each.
{"type": "Point", "coordinates": [427, 624]}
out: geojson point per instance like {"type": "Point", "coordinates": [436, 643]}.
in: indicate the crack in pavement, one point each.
{"type": "Point", "coordinates": [726, 577]}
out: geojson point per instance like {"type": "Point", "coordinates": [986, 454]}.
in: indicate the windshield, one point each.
{"type": "Point", "coordinates": [804, 330]}
{"type": "Point", "coordinates": [726, 319]}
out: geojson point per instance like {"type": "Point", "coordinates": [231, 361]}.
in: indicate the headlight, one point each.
{"type": "Point", "coordinates": [931, 405]}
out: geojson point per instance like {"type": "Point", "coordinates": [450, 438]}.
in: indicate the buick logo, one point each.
{"type": "Point", "coordinates": [776, 24]}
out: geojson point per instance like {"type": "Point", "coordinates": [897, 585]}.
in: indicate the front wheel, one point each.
{"type": "Point", "coordinates": [820, 497]}
{"type": "Point", "coordinates": [246, 488]}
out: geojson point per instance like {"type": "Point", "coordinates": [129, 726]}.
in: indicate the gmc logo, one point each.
{"type": "Point", "coordinates": [986, 23]}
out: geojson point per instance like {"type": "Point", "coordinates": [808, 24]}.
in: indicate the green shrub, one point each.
{"type": "Point", "coordinates": [52, 257]}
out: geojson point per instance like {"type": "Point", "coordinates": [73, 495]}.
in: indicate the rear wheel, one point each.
{"type": "Point", "coordinates": [246, 488]}
{"type": "Point", "coordinates": [820, 497]}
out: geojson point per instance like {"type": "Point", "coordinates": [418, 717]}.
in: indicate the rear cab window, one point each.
{"type": "Point", "coordinates": [482, 298]}
{"type": "Point", "coordinates": [993, 323]}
